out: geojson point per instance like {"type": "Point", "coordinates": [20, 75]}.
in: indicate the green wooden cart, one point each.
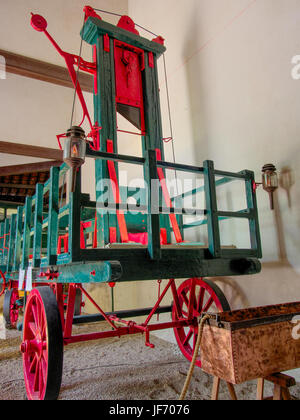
{"type": "Point", "coordinates": [52, 249]}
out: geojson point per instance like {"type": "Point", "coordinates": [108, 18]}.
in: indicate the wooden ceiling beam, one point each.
{"type": "Point", "coordinates": [46, 72]}
{"type": "Point", "coordinates": [28, 168]}
{"type": "Point", "coordinates": [31, 151]}
{"type": "Point", "coordinates": [17, 186]}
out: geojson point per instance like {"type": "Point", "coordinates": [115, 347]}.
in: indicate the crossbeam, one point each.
{"type": "Point", "coordinates": [45, 72]}
{"type": "Point", "coordinates": [12, 148]}
{"type": "Point", "coordinates": [28, 168]}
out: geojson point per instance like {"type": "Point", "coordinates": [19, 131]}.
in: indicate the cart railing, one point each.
{"type": "Point", "coordinates": [32, 235]}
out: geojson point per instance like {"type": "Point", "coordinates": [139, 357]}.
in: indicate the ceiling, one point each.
{"type": "Point", "coordinates": [15, 188]}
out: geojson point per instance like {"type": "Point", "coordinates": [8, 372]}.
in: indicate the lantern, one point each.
{"type": "Point", "coordinates": [74, 151]}
{"type": "Point", "coordinates": [270, 181]}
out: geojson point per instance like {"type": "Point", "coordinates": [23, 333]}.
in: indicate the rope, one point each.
{"type": "Point", "coordinates": [77, 75]}
{"type": "Point", "coordinates": [193, 362]}
{"type": "Point", "coordinates": [117, 14]}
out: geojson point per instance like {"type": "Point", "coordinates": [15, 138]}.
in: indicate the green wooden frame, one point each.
{"type": "Point", "coordinates": [34, 232]}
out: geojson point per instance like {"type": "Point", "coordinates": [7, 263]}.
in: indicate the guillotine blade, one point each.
{"type": "Point", "coordinates": [131, 114]}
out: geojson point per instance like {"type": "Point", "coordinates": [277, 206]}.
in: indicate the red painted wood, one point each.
{"type": "Point", "coordinates": [116, 193]}
{"type": "Point", "coordinates": [168, 201]}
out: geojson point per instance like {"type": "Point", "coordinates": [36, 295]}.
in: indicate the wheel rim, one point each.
{"type": "Point", "coordinates": [197, 296]}
{"type": "Point", "coordinates": [11, 308]}
{"type": "Point", "coordinates": [42, 346]}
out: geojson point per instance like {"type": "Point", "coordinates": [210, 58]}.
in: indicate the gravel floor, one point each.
{"type": "Point", "coordinates": [117, 369]}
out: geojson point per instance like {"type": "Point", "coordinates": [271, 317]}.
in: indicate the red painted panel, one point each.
{"type": "Point", "coordinates": [128, 65]}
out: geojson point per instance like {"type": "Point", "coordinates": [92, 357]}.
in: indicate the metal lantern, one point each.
{"type": "Point", "coordinates": [74, 151]}
{"type": "Point", "coordinates": [270, 181]}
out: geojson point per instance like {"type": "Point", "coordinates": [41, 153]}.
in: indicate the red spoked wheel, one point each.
{"type": "Point", "coordinates": [42, 345]}
{"type": "Point", "coordinates": [196, 296]}
{"type": "Point", "coordinates": [11, 308]}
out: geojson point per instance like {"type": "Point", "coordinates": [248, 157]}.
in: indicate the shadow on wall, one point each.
{"type": "Point", "coordinates": [195, 87]}
{"type": "Point", "coordinates": [278, 282]}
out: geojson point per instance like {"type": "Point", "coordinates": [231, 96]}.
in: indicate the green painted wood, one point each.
{"type": "Point", "coordinates": [135, 268]}
{"type": "Point", "coordinates": [37, 225]}
{"type": "Point", "coordinates": [105, 114]}
{"type": "Point", "coordinates": [26, 233]}
{"type": "Point", "coordinates": [12, 239]}
{"type": "Point", "coordinates": [94, 28]}
{"type": "Point", "coordinates": [153, 137]}
{"type": "Point", "coordinates": [212, 210]}
{"type": "Point", "coordinates": [153, 219]}
{"type": "Point", "coordinates": [75, 219]}
{"type": "Point", "coordinates": [52, 238]}
{"type": "Point", "coordinates": [254, 222]}
{"type": "Point", "coordinates": [18, 241]}
{"type": "Point", "coordinates": [6, 240]}
{"type": "Point", "coordinates": [2, 243]}
{"type": "Point", "coordinates": [93, 272]}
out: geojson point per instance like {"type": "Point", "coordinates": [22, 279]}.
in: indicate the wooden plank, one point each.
{"type": "Point", "coordinates": [45, 72]}
{"type": "Point", "coordinates": [75, 219]}
{"type": "Point", "coordinates": [19, 230]}
{"type": "Point", "coordinates": [260, 389]}
{"type": "Point", "coordinates": [26, 233]}
{"type": "Point", "coordinates": [28, 168]}
{"type": "Point", "coordinates": [6, 239]}
{"type": "Point", "coordinates": [20, 149]}
{"type": "Point", "coordinates": [277, 393]}
{"type": "Point", "coordinates": [212, 210]}
{"type": "Point", "coordinates": [153, 222]}
{"type": "Point", "coordinates": [281, 379]}
{"type": "Point", "coordinates": [254, 222]}
{"type": "Point", "coordinates": [12, 240]}
{"type": "Point", "coordinates": [18, 186]}
{"type": "Point", "coordinates": [231, 391]}
{"type": "Point", "coordinates": [95, 27]}
{"type": "Point", "coordinates": [38, 222]}
{"type": "Point", "coordinates": [215, 389]}
{"type": "Point", "coordinates": [52, 237]}
{"type": "Point", "coordinates": [1, 241]}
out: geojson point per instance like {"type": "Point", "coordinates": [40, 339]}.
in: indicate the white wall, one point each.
{"type": "Point", "coordinates": [234, 101]}
{"type": "Point", "coordinates": [34, 112]}
{"type": "Point", "coordinates": [232, 97]}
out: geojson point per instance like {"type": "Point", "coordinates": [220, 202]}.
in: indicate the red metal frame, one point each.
{"type": "Point", "coordinates": [168, 201]}
{"type": "Point", "coordinates": [116, 193]}
{"type": "Point", "coordinates": [128, 328]}
{"type": "Point", "coordinates": [40, 24]}
{"type": "Point", "coordinates": [129, 64]}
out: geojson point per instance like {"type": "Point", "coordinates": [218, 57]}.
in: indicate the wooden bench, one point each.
{"type": "Point", "coordinates": [281, 382]}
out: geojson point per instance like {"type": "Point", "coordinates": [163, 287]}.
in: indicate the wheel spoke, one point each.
{"type": "Point", "coordinates": [185, 299]}
{"type": "Point", "coordinates": [42, 380]}
{"type": "Point", "coordinates": [200, 300]}
{"type": "Point", "coordinates": [195, 296]}
{"type": "Point", "coordinates": [41, 317]}
{"type": "Point", "coordinates": [36, 377]}
{"type": "Point", "coordinates": [33, 365]}
{"type": "Point", "coordinates": [188, 337]}
{"type": "Point", "coordinates": [33, 329]}
{"type": "Point", "coordinates": [35, 313]}
{"type": "Point", "coordinates": [208, 305]}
